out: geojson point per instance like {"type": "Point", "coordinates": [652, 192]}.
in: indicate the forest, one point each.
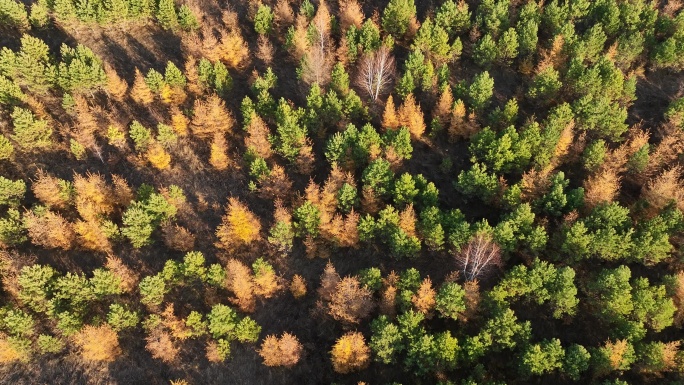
{"type": "Point", "coordinates": [361, 192]}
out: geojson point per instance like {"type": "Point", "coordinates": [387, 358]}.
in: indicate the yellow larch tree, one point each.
{"type": "Point", "coordinates": [239, 226]}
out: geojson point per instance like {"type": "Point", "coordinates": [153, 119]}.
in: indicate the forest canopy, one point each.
{"type": "Point", "coordinates": [453, 192]}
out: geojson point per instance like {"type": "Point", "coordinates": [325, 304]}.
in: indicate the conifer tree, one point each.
{"type": "Point", "coordinates": [13, 15]}
{"type": "Point", "coordinates": [350, 353]}
{"type": "Point", "coordinates": [390, 121]}
{"type": "Point", "coordinates": [239, 226]}
{"type": "Point", "coordinates": [211, 117]}
{"type": "Point", "coordinates": [166, 14]}
{"type": "Point", "coordinates": [140, 92]}
{"type": "Point", "coordinates": [30, 132]}
{"type": "Point", "coordinates": [411, 116]}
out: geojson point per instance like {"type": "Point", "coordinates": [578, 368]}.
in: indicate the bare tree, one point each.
{"type": "Point", "coordinates": [376, 72]}
{"type": "Point", "coordinates": [317, 62]}
{"type": "Point", "coordinates": [478, 257]}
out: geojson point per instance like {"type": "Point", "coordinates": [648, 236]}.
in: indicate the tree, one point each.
{"type": "Point", "coordinates": [49, 229]}
{"type": "Point", "coordinates": [541, 358]}
{"type": "Point", "coordinates": [11, 191]}
{"type": "Point", "coordinates": [397, 17]}
{"type": "Point", "coordinates": [13, 15]}
{"type": "Point", "coordinates": [481, 90]}
{"type": "Point", "coordinates": [239, 226]}
{"type": "Point", "coordinates": [30, 132]}
{"type": "Point", "coordinates": [485, 51]}
{"type": "Point", "coordinates": [298, 286]}
{"type": "Point", "coordinates": [411, 116]}
{"type": "Point", "coordinates": [390, 120]}
{"type": "Point", "coordinates": [239, 281]}
{"type": "Point", "coordinates": [424, 299]}
{"type": "Point", "coordinates": [450, 300]}
{"type": "Point", "coordinates": [612, 356]}
{"type": "Point", "coordinates": [263, 20]}
{"type": "Point", "coordinates": [211, 117]}
{"type": "Point", "coordinates": [376, 72]}
{"type": "Point", "coordinates": [350, 302]}
{"type": "Point", "coordinates": [350, 353]}
{"type": "Point", "coordinates": [99, 343]}
{"type": "Point", "coordinates": [80, 70]}
{"type": "Point", "coordinates": [576, 361]}
{"type": "Point", "coordinates": [478, 257]}
{"type": "Point", "coordinates": [284, 351]}
{"type": "Point", "coordinates": [166, 14]}
{"type": "Point", "coordinates": [386, 341]}
{"type": "Point", "coordinates": [140, 92]}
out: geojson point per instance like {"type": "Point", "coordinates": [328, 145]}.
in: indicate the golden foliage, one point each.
{"type": "Point", "coordinates": [276, 184]}
{"type": "Point", "coordinates": [213, 354]}
{"type": "Point", "coordinates": [664, 189]}
{"type": "Point", "coordinates": [233, 49]}
{"type": "Point", "coordinates": [424, 299]}
{"type": "Point", "coordinates": [211, 116]}
{"type": "Point", "coordinates": [193, 83]}
{"type": "Point", "coordinates": [350, 14]}
{"type": "Point", "coordinates": [264, 49]}
{"type": "Point", "coordinates": [601, 187]}
{"type": "Point", "coordinates": [98, 343]}
{"type": "Point", "coordinates": [177, 237]}
{"type": "Point", "coordinates": [666, 152]}
{"type": "Point", "coordinates": [350, 353]}
{"type": "Point", "coordinates": [461, 125]}
{"type": "Point", "coordinates": [122, 192]}
{"type": "Point", "coordinates": [284, 351]}
{"type": "Point", "coordinates": [239, 282]}
{"type": "Point", "coordinates": [329, 281]}
{"type": "Point", "coordinates": [218, 157]}
{"type": "Point", "coordinates": [370, 201]}
{"type": "Point", "coordinates": [161, 346]}
{"type": "Point", "coordinates": [158, 156]}
{"type": "Point", "coordinates": [175, 325]}
{"type": "Point", "coordinates": [266, 284]}
{"type": "Point", "coordinates": [127, 277]}
{"type": "Point", "coordinates": [47, 189]}
{"type": "Point", "coordinates": [91, 236]}
{"type": "Point", "coordinates": [239, 226]}
{"type": "Point", "coordinates": [9, 352]}
{"type": "Point", "coordinates": [618, 350]}
{"type": "Point", "coordinates": [116, 87]}
{"type": "Point", "coordinates": [535, 183]}
{"type": "Point", "coordinates": [350, 302]}
{"type": "Point", "coordinates": [93, 196]}
{"type": "Point", "coordinates": [140, 92]}
{"type": "Point", "coordinates": [49, 230]}
{"type": "Point", "coordinates": [305, 159]}
{"type": "Point", "coordinates": [407, 220]}
{"type": "Point", "coordinates": [442, 110]}
{"type": "Point", "coordinates": [388, 301]}
{"type": "Point", "coordinates": [179, 122]}
{"type": "Point", "coordinates": [298, 286]}
{"type": "Point", "coordinates": [257, 137]}
{"type": "Point", "coordinates": [411, 116]}
{"type": "Point", "coordinates": [172, 95]}
{"type": "Point", "coordinates": [179, 382]}
{"type": "Point", "coordinates": [283, 13]}
{"type": "Point", "coordinates": [390, 121]}
{"type": "Point", "coordinates": [300, 39]}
